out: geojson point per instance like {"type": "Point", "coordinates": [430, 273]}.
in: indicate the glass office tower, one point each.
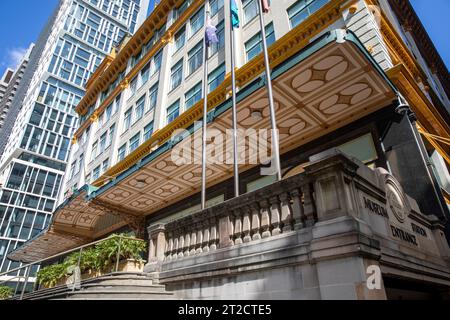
{"type": "Point", "coordinates": [77, 37]}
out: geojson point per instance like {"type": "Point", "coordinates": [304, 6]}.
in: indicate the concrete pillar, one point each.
{"type": "Point", "coordinates": [157, 247]}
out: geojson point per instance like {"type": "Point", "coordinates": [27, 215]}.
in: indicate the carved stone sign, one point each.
{"type": "Point", "coordinates": [375, 208]}
{"type": "Point", "coordinates": [404, 235]}
{"type": "Point", "coordinates": [396, 201]}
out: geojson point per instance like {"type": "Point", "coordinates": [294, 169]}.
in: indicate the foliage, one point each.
{"type": "Point", "coordinates": [94, 259]}
{"type": "Point", "coordinates": [5, 293]}
{"type": "Point", "coordinates": [49, 276]}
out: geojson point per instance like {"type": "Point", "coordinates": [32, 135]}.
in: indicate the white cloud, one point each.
{"type": "Point", "coordinates": [13, 57]}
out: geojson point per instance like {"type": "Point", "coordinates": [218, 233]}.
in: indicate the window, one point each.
{"type": "Point", "coordinates": [215, 6]}
{"type": "Point", "coordinates": [145, 74]}
{"type": "Point", "coordinates": [148, 131]}
{"type": "Point", "coordinates": [193, 96]}
{"type": "Point", "coordinates": [197, 21]}
{"type": "Point", "coordinates": [302, 9]}
{"type": "Point", "coordinates": [180, 39]}
{"type": "Point", "coordinates": [112, 131]}
{"type": "Point", "coordinates": [108, 112]}
{"type": "Point", "coordinates": [140, 108]}
{"type": "Point", "coordinates": [105, 165]}
{"type": "Point", "coordinates": [94, 151]}
{"type": "Point", "coordinates": [72, 169]}
{"type": "Point", "coordinates": [173, 112]}
{"type": "Point", "coordinates": [250, 9]}
{"type": "Point", "coordinates": [127, 119]}
{"type": "Point", "coordinates": [133, 85]}
{"type": "Point", "coordinates": [215, 47]}
{"type": "Point", "coordinates": [96, 173]}
{"type": "Point", "coordinates": [254, 46]}
{"type": "Point", "coordinates": [80, 163]}
{"type": "Point", "coordinates": [181, 9]}
{"type": "Point", "coordinates": [216, 77]}
{"type": "Point", "coordinates": [134, 142]}
{"type": "Point", "coordinates": [157, 60]}
{"type": "Point", "coordinates": [195, 58]}
{"type": "Point", "coordinates": [153, 97]}
{"type": "Point", "coordinates": [362, 148]}
{"type": "Point", "coordinates": [176, 75]}
{"type": "Point", "coordinates": [103, 143]}
{"type": "Point", "coordinates": [122, 152]}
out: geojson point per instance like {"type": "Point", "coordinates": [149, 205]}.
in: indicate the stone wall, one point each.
{"type": "Point", "coordinates": [323, 234]}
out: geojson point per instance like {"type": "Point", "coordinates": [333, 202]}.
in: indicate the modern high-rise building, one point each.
{"type": "Point", "coordinates": [361, 101]}
{"type": "Point", "coordinates": [4, 82]}
{"type": "Point", "coordinates": [77, 38]}
{"type": "Point", "coordinates": [15, 80]}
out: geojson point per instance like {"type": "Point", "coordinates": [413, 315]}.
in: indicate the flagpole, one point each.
{"type": "Point", "coordinates": [275, 136]}
{"type": "Point", "coordinates": [235, 125]}
{"type": "Point", "coordinates": [205, 108]}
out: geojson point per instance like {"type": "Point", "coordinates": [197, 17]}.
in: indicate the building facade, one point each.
{"type": "Point", "coordinates": [15, 80]}
{"type": "Point", "coordinates": [74, 43]}
{"type": "Point", "coordinates": [4, 82]}
{"type": "Point", "coordinates": [339, 69]}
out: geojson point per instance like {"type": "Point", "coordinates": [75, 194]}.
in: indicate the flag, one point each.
{"type": "Point", "coordinates": [210, 33]}
{"type": "Point", "coordinates": [234, 14]}
{"type": "Point", "coordinates": [265, 6]}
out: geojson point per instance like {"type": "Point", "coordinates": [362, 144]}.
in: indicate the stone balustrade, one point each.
{"type": "Point", "coordinates": [338, 217]}
{"type": "Point", "coordinates": [276, 209]}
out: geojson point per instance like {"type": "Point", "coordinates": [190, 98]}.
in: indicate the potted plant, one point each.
{"type": "Point", "coordinates": [96, 261]}
{"type": "Point", "coordinates": [5, 293]}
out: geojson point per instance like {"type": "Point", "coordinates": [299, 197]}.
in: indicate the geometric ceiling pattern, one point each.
{"type": "Point", "coordinates": [329, 89]}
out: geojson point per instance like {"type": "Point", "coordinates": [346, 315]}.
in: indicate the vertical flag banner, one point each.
{"type": "Point", "coordinates": [210, 33]}
{"type": "Point", "coordinates": [234, 14]}
{"type": "Point", "coordinates": [265, 6]}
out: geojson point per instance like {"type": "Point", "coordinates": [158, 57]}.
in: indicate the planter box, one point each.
{"type": "Point", "coordinates": [129, 265]}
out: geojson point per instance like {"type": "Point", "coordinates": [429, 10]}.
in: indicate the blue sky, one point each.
{"type": "Point", "coordinates": [22, 20]}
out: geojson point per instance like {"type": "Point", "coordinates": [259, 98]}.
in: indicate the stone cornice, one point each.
{"type": "Point", "coordinates": [409, 19]}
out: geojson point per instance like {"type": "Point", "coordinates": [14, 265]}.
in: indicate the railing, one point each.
{"type": "Point", "coordinates": [279, 208]}
{"type": "Point", "coordinates": [24, 272]}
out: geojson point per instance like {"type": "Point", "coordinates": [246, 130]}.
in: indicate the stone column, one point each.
{"type": "Point", "coordinates": [157, 247]}
{"type": "Point", "coordinates": [332, 173]}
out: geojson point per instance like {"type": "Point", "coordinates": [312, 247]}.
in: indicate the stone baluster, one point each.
{"type": "Point", "coordinates": [206, 236]}
{"type": "Point", "coordinates": [187, 244]}
{"type": "Point", "coordinates": [169, 251]}
{"type": "Point", "coordinates": [275, 215]}
{"type": "Point", "coordinates": [225, 232]}
{"type": "Point", "coordinates": [246, 225]}
{"type": "Point", "coordinates": [287, 219]}
{"type": "Point", "coordinates": [181, 245]}
{"type": "Point", "coordinates": [214, 238]}
{"type": "Point", "coordinates": [193, 241]}
{"type": "Point", "coordinates": [309, 206]}
{"type": "Point", "coordinates": [199, 244]}
{"type": "Point", "coordinates": [256, 221]}
{"type": "Point", "coordinates": [175, 245]}
{"type": "Point", "coordinates": [265, 219]}
{"type": "Point", "coordinates": [231, 227]}
{"type": "Point", "coordinates": [237, 227]}
{"type": "Point", "coordinates": [298, 209]}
